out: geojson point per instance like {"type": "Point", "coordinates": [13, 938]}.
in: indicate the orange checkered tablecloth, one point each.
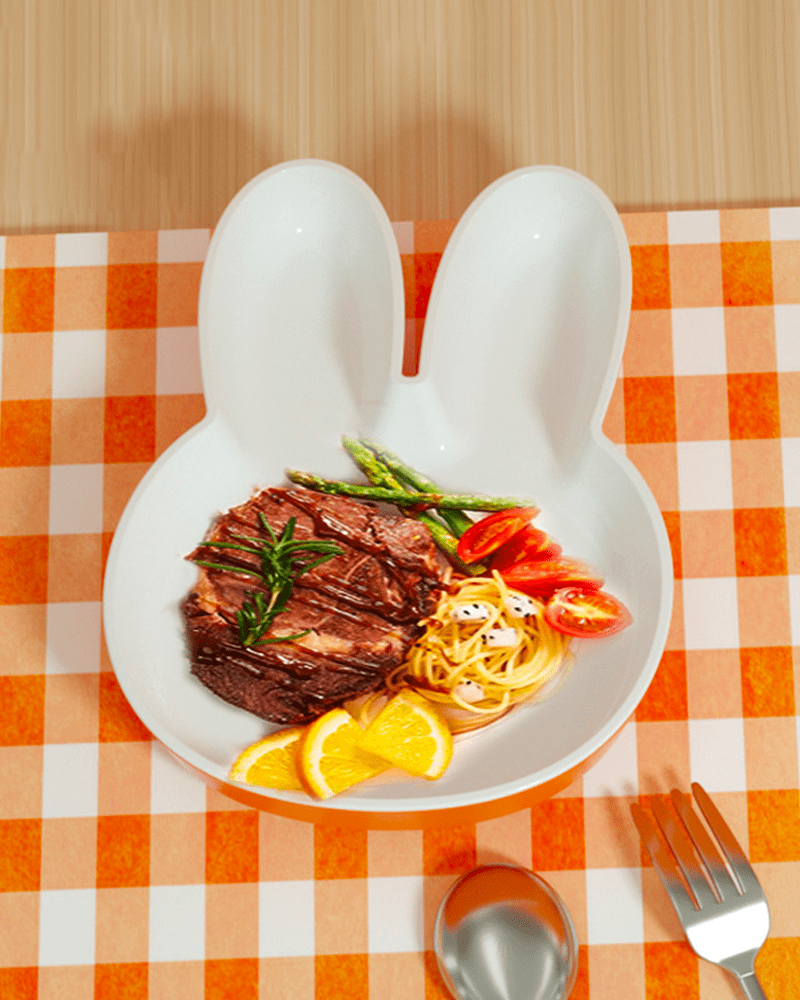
{"type": "Point", "coordinates": [122, 876]}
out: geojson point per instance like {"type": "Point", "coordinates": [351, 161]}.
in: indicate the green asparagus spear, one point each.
{"type": "Point", "coordinates": [381, 476]}
{"type": "Point", "coordinates": [456, 520]}
{"type": "Point", "coordinates": [399, 468]}
{"type": "Point", "coordinates": [373, 467]}
{"type": "Point", "coordinates": [404, 498]}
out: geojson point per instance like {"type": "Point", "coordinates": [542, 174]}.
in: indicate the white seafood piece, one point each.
{"type": "Point", "coordinates": [501, 637]}
{"type": "Point", "coordinates": [477, 611]}
{"type": "Point", "coordinates": [520, 606]}
{"type": "Point", "coordinates": [469, 691]}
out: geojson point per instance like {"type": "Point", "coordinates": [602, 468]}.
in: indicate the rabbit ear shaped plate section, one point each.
{"type": "Point", "coordinates": [525, 327]}
{"type": "Point", "coordinates": [301, 310]}
{"type": "Point", "coordinates": [301, 323]}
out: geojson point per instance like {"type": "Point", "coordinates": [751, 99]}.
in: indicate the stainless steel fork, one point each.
{"type": "Point", "coordinates": [722, 907]}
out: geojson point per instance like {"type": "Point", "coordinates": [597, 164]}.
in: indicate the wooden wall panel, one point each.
{"type": "Point", "coordinates": [128, 114]}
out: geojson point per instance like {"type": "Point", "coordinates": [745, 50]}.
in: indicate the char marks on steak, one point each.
{"type": "Point", "coordinates": [363, 607]}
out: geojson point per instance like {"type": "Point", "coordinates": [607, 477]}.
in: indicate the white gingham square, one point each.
{"type": "Point", "coordinates": [614, 905]}
{"type": "Point", "coordinates": [784, 223]}
{"type": "Point", "coordinates": [711, 613]}
{"type": "Point", "coordinates": [76, 499]}
{"type": "Point", "coordinates": [716, 754]}
{"type": "Point", "coordinates": [173, 788]}
{"type": "Point", "coordinates": [787, 336]}
{"type": "Point", "coordinates": [177, 923]}
{"type": "Point", "coordinates": [790, 454]}
{"type": "Point", "coordinates": [69, 779]}
{"type": "Point", "coordinates": [698, 341]}
{"type": "Point", "coordinates": [177, 360]}
{"type": "Point", "coordinates": [181, 246]}
{"type": "Point", "coordinates": [67, 926]}
{"type": "Point", "coordinates": [705, 477]}
{"type": "Point", "coordinates": [396, 913]}
{"type": "Point", "coordinates": [79, 364]}
{"type": "Point", "coordinates": [693, 227]}
{"type": "Point", "coordinates": [81, 249]}
{"type": "Point", "coordinates": [286, 918]}
{"type": "Point", "coordinates": [794, 608]}
{"type": "Point", "coordinates": [73, 637]}
{"type": "Point", "coordinates": [616, 772]}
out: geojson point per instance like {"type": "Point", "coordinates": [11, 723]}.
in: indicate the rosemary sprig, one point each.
{"type": "Point", "coordinates": [283, 560]}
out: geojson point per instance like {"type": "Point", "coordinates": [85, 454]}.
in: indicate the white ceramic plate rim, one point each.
{"type": "Point", "coordinates": [446, 801]}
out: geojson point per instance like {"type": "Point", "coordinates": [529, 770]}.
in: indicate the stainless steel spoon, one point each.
{"type": "Point", "coordinates": [502, 933]}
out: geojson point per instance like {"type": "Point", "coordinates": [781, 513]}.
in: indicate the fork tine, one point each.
{"type": "Point", "coordinates": [664, 864]}
{"type": "Point", "coordinates": [740, 866]}
{"type": "Point", "coordinates": [705, 846]}
{"type": "Point", "coordinates": [681, 846]}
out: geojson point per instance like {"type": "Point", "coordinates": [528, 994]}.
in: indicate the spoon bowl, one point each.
{"type": "Point", "coordinates": [502, 933]}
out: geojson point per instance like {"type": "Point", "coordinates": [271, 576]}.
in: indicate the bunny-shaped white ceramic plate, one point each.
{"type": "Point", "coordinates": [301, 320]}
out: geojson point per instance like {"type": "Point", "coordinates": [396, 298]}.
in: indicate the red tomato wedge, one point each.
{"type": "Point", "coordinates": [527, 545]}
{"type": "Point", "coordinates": [586, 613]}
{"type": "Point", "coordinates": [492, 531]}
{"type": "Point", "coordinates": [543, 577]}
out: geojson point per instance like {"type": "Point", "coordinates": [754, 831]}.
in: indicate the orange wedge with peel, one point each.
{"type": "Point", "coordinates": [412, 734]}
{"type": "Point", "coordinates": [366, 707]}
{"type": "Point", "coordinates": [271, 762]}
{"type": "Point", "coordinates": [329, 759]}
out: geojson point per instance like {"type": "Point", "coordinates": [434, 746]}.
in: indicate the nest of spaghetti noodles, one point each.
{"type": "Point", "coordinates": [452, 656]}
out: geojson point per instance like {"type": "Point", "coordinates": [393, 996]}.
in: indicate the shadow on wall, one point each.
{"type": "Point", "coordinates": [173, 172]}
{"type": "Point", "coordinates": [432, 166]}
{"type": "Point", "coordinates": [181, 170]}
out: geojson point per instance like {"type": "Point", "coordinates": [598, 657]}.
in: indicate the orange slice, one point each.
{"type": "Point", "coordinates": [271, 761]}
{"type": "Point", "coordinates": [329, 760]}
{"type": "Point", "coordinates": [411, 733]}
{"type": "Point", "coordinates": [366, 707]}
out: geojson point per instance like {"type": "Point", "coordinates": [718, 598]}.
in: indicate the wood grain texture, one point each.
{"type": "Point", "coordinates": [143, 114]}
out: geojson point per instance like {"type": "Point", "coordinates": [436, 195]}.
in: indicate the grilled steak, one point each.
{"type": "Point", "coordinates": [363, 607]}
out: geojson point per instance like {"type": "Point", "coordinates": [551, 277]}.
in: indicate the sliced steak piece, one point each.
{"type": "Point", "coordinates": [363, 607]}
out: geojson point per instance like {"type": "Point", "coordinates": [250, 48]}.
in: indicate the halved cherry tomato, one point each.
{"type": "Point", "coordinates": [527, 545]}
{"type": "Point", "coordinates": [543, 577]}
{"type": "Point", "coordinates": [492, 531]}
{"type": "Point", "coordinates": [586, 613]}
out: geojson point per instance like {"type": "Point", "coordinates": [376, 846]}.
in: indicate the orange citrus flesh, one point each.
{"type": "Point", "coordinates": [271, 762]}
{"type": "Point", "coordinates": [365, 708]}
{"type": "Point", "coordinates": [411, 733]}
{"type": "Point", "coordinates": [329, 759]}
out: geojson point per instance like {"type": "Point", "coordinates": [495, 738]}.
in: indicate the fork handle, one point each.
{"type": "Point", "coordinates": [751, 987]}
